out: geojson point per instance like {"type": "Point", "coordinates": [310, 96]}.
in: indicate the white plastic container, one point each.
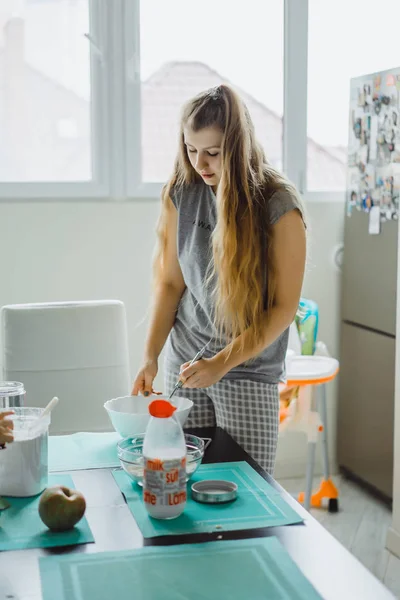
{"type": "Point", "coordinates": [164, 453]}
{"type": "Point", "coordinates": [24, 462]}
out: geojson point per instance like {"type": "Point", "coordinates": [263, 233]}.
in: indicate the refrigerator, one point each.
{"type": "Point", "coordinates": [369, 279]}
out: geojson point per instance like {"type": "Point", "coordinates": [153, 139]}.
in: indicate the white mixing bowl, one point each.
{"type": "Point", "coordinates": [129, 415]}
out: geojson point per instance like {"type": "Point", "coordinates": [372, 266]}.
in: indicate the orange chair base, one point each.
{"type": "Point", "coordinates": [326, 490]}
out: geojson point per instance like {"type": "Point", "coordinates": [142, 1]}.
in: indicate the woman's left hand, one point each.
{"type": "Point", "coordinates": [202, 373]}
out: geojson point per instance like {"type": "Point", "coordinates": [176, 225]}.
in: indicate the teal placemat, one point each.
{"type": "Point", "coordinates": [83, 451]}
{"type": "Point", "coordinates": [234, 570]}
{"type": "Point", "coordinates": [21, 526]}
{"type": "Point", "coordinates": [258, 504]}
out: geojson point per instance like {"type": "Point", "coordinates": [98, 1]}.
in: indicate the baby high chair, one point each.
{"type": "Point", "coordinates": [309, 366]}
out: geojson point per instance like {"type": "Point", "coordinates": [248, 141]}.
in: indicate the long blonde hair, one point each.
{"type": "Point", "coordinates": [242, 272]}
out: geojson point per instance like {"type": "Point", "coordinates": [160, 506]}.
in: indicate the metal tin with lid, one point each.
{"type": "Point", "coordinates": [214, 491]}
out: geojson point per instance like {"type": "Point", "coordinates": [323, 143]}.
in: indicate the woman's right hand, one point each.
{"type": "Point", "coordinates": [6, 428]}
{"type": "Point", "coordinates": [144, 379]}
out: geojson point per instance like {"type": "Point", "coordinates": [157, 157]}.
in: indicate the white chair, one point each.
{"type": "Point", "coordinates": [77, 351]}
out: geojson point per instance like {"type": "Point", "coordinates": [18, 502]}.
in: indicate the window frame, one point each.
{"type": "Point", "coordinates": [116, 111]}
{"type": "Point", "coordinates": [295, 135]}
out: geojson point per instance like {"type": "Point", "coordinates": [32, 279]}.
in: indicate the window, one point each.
{"type": "Point", "coordinates": [187, 47]}
{"type": "Point", "coordinates": [91, 90]}
{"type": "Point", "coordinates": [45, 67]}
{"type": "Point", "coordinates": [48, 115]}
{"type": "Point", "coordinates": [345, 40]}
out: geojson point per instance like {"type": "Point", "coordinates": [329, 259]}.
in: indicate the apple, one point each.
{"type": "Point", "coordinates": [60, 507]}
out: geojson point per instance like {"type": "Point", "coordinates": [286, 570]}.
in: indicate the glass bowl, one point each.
{"type": "Point", "coordinates": [130, 454]}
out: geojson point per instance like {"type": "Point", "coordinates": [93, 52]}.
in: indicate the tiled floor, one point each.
{"type": "Point", "coordinates": [361, 526]}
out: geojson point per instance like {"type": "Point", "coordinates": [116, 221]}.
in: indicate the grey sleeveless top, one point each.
{"type": "Point", "coordinates": [193, 327]}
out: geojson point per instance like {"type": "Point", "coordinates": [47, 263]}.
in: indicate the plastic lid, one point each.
{"type": "Point", "coordinates": [161, 409]}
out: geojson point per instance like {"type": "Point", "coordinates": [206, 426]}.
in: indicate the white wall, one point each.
{"type": "Point", "coordinates": [393, 536]}
{"type": "Point", "coordinates": [82, 251]}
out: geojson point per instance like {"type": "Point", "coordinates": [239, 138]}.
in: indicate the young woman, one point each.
{"type": "Point", "coordinates": [228, 271]}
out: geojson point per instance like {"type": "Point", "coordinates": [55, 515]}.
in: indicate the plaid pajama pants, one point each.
{"type": "Point", "coordinates": [247, 410]}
